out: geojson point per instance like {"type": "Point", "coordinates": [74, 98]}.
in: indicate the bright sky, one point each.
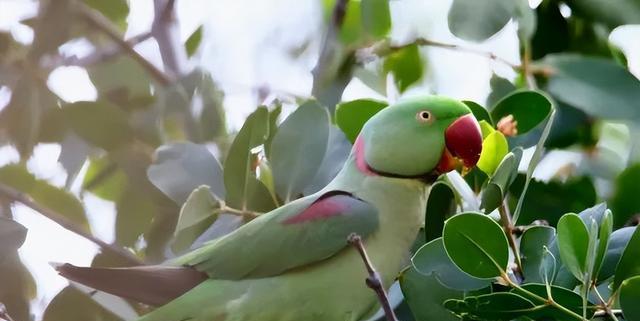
{"type": "Point", "coordinates": [245, 45]}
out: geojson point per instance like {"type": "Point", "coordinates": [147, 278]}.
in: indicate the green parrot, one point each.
{"type": "Point", "coordinates": [294, 263]}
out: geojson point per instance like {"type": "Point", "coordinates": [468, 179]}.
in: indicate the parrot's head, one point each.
{"type": "Point", "coordinates": [421, 136]}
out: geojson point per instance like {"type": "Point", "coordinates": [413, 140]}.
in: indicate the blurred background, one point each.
{"type": "Point", "coordinates": [229, 57]}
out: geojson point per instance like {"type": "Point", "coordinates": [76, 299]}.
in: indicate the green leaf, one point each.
{"type": "Point", "coordinates": [352, 115]}
{"type": "Point", "coordinates": [274, 114]}
{"type": "Point", "coordinates": [494, 306]}
{"type": "Point", "coordinates": [104, 179]}
{"type": "Point", "coordinates": [606, 227]}
{"type": "Point", "coordinates": [179, 168]}
{"type": "Point", "coordinates": [533, 163]}
{"type": "Point", "coordinates": [99, 123]}
{"type": "Point", "coordinates": [625, 202]}
{"type": "Point", "coordinates": [196, 215]}
{"type": "Point", "coordinates": [441, 204]}
{"type": "Point", "coordinates": [500, 88]}
{"type": "Point", "coordinates": [617, 243]}
{"type": "Point", "coordinates": [193, 42]}
{"type": "Point", "coordinates": [425, 296]}
{"type": "Point", "coordinates": [528, 108]}
{"type": "Point", "coordinates": [479, 112]}
{"type": "Point", "coordinates": [629, 298]}
{"type": "Point", "coordinates": [338, 149]}
{"type": "Point", "coordinates": [121, 80]}
{"type": "Point", "coordinates": [405, 65]}
{"type": "Point", "coordinates": [476, 244]}
{"type": "Point", "coordinates": [499, 183]}
{"type": "Point", "coordinates": [115, 10]}
{"type": "Point", "coordinates": [352, 27]}
{"type": "Point", "coordinates": [597, 86]}
{"type": "Point", "coordinates": [494, 148]}
{"type": "Point", "coordinates": [376, 18]}
{"type": "Point", "coordinates": [532, 251]}
{"type": "Point", "coordinates": [629, 265]}
{"type": "Point", "coordinates": [573, 242]}
{"type": "Point", "coordinates": [244, 190]}
{"type": "Point", "coordinates": [478, 20]}
{"type": "Point", "coordinates": [44, 194]}
{"type": "Point", "coordinates": [432, 260]}
{"type": "Point", "coordinates": [12, 235]}
{"type": "Point", "coordinates": [298, 148]}
{"type": "Point", "coordinates": [622, 13]}
{"type": "Point", "coordinates": [135, 214]}
{"type": "Point", "coordinates": [72, 305]}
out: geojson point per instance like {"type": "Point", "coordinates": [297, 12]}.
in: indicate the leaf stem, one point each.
{"type": "Point", "coordinates": [250, 215]}
{"type": "Point", "coordinates": [507, 225]}
{"type": "Point", "coordinates": [605, 304]}
{"type": "Point", "coordinates": [374, 281]}
{"type": "Point", "coordinates": [61, 220]}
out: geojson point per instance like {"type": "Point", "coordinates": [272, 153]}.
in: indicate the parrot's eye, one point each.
{"type": "Point", "coordinates": [424, 116]}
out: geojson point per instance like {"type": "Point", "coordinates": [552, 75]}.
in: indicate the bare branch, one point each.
{"type": "Point", "coordinates": [164, 30]}
{"type": "Point", "coordinates": [99, 55]}
{"type": "Point", "coordinates": [4, 314]}
{"type": "Point", "coordinates": [104, 25]}
{"type": "Point", "coordinates": [507, 225]}
{"type": "Point", "coordinates": [26, 200]}
{"type": "Point", "coordinates": [383, 48]}
{"type": "Point", "coordinates": [374, 281]}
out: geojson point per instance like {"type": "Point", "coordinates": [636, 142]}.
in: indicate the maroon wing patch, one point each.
{"type": "Point", "coordinates": [334, 204]}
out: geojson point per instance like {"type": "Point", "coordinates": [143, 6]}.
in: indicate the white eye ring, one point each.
{"type": "Point", "coordinates": [424, 116]}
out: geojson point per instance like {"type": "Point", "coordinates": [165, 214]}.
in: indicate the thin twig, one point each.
{"type": "Point", "coordinates": [383, 48]}
{"type": "Point", "coordinates": [4, 314]}
{"type": "Point", "coordinates": [163, 29]}
{"type": "Point", "coordinates": [61, 220]}
{"type": "Point", "coordinates": [507, 225]}
{"type": "Point", "coordinates": [603, 302]}
{"type": "Point", "coordinates": [99, 55]}
{"type": "Point", "coordinates": [105, 26]}
{"type": "Point", "coordinates": [374, 281]}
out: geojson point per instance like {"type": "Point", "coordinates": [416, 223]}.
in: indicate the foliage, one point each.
{"type": "Point", "coordinates": [497, 245]}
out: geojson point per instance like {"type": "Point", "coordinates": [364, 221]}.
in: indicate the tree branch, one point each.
{"type": "Point", "coordinates": [99, 55]}
{"type": "Point", "coordinates": [104, 25]}
{"type": "Point", "coordinates": [4, 314]}
{"type": "Point", "coordinates": [383, 48]}
{"type": "Point", "coordinates": [507, 225]}
{"type": "Point", "coordinates": [374, 281]}
{"type": "Point", "coordinates": [163, 29]}
{"type": "Point", "coordinates": [26, 200]}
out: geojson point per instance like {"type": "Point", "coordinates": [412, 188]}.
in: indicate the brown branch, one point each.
{"type": "Point", "coordinates": [383, 48]}
{"type": "Point", "coordinates": [163, 29]}
{"type": "Point", "coordinates": [329, 43]}
{"type": "Point", "coordinates": [102, 24]}
{"type": "Point", "coordinates": [507, 225]}
{"type": "Point", "coordinates": [61, 220]}
{"type": "Point", "coordinates": [99, 55]}
{"type": "Point", "coordinates": [4, 314]}
{"type": "Point", "coordinates": [374, 281]}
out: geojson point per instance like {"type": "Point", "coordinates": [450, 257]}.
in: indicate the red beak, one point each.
{"type": "Point", "coordinates": [463, 140]}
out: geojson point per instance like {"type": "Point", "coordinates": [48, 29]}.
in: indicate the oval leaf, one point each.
{"type": "Point", "coordinates": [298, 148]}
{"type": "Point", "coordinates": [528, 108]}
{"type": "Point", "coordinates": [532, 244]}
{"type": "Point", "coordinates": [180, 168]}
{"type": "Point", "coordinates": [476, 244]}
{"type": "Point", "coordinates": [494, 148]}
{"type": "Point", "coordinates": [629, 264]}
{"type": "Point", "coordinates": [573, 243]}
{"type": "Point", "coordinates": [441, 204]}
{"type": "Point", "coordinates": [629, 298]}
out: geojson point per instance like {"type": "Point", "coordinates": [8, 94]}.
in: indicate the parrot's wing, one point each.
{"type": "Point", "coordinates": [305, 231]}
